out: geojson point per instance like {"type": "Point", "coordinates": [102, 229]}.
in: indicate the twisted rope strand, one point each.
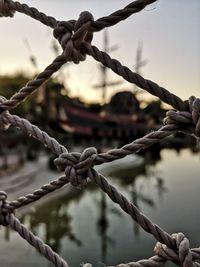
{"type": "Point", "coordinates": [154, 261]}
{"type": "Point", "coordinates": [36, 195]}
{"type": "Point", "coordinates": [33, 13]}
{"type": "Point", "coordinates": [137, 145]}
{"type": "Point", "coordinates": [132, 210]}
{"type": "Point", "coordinates": [120, 15]}
{"type": "Point", "coordinates": [34, 131]}
{"type": "Point", "coordinates": [135, 78]}
{"type": "Point", "coordinates": [32, 85]}
{"type": "Point", "coordinates": [159, 234]}
{"type": "Point", "coordinates": [35, 241]}
{"type": "Point", "coordinates": [97, 25]}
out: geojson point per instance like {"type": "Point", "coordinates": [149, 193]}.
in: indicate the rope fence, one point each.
{"type": "Point", "coordinates": [75, 38]}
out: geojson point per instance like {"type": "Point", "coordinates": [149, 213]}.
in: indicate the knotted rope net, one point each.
{"type": "Point", "coordinates": [75, 38]}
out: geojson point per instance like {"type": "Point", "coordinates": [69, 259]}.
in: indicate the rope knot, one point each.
{"type": "Point", "coordinates": [3, 197]}
{"type": "Point", "coordinates": [76, 165]}
{"type": "Point", "coordinates": [71, 34]}
{"type": "Point", "coordinates": [188, 121]}
{"type": "Point", "coordinates": [182, 255]}
{"type": "Point", "coordinates": [5, 10]}
{"type": "Point", "coordinates": [3, 125]}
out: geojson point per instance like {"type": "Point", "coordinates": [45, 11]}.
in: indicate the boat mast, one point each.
{"type": "Point", "coordinates": [32, 57]}
{"type": "Point", "coordinates": [139, 64]}
{"type": "Point", "coordinates": [104, 70]}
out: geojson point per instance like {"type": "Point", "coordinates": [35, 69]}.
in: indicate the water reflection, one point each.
{"type": "Point", "coordinates": [54, 219]}
{"type": "Point", "coordinates": [102, 227]}
{"type": "Point", "coordinates": [57, 224]}
{"type": "Point", "coordinates": [137, 197]}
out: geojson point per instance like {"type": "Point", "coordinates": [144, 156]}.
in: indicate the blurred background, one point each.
{"type": "Point", "coordinates": [88, 105]}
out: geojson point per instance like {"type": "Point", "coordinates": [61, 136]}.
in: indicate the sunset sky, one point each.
{"type": "Point", "coordinates": [168, 30]}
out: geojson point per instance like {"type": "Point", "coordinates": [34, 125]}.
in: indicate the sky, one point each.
{"type": "Point", "coordinates": [168, 30]}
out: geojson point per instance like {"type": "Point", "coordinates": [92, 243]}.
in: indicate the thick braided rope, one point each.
{"type": "Point", "coordinates": [32, 12]}
{"type": "Point", "coordinates": [183, 256]}
{"type": "Point", "coordinates": [135, 78]}
{"type": "Point", "coordinates": [132, 210]}
{"type": "Point", "coordinates": [154, 261]}
{"type": "Point", "coordinates": [78, 166]}
{"type": "Point", "coordinates": [34, 131]}
{"type": "Point", "coordinates": [34, 84]}
{"type": "Point", "coordinates": [36, 242]}
{"type": "Point", "coordinates": [8, 219]}
{"type": "Point", "coordinates": [36, 195]}
{"type": "Point", "coordinates": [97, 25]}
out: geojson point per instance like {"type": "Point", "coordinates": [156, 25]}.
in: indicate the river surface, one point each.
{"type": "Point", "coordinates": [85, 226]}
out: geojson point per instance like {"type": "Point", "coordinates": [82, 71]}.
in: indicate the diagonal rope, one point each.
{"type": "Point", "coordinates": [97, 25]}
{"type": "Point", "coordinates": [36, 195]}
{"type": "Point", "coordinates": [151, 87]}
{"type": "Point", "coordinates": [35, 241]}
{"type": "Point", "coordinates": [32, 12]}
{"type": "Point", "coordinates": [31, 86]}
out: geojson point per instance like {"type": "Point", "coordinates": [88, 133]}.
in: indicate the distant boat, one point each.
{"type": "Point", "coordinates": [121, 118]}
{"type": "Point", "coordinates": [118, 119]}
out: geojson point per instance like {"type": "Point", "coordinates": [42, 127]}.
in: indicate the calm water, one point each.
{"type": "Point", "coordinates": [85, 226]}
